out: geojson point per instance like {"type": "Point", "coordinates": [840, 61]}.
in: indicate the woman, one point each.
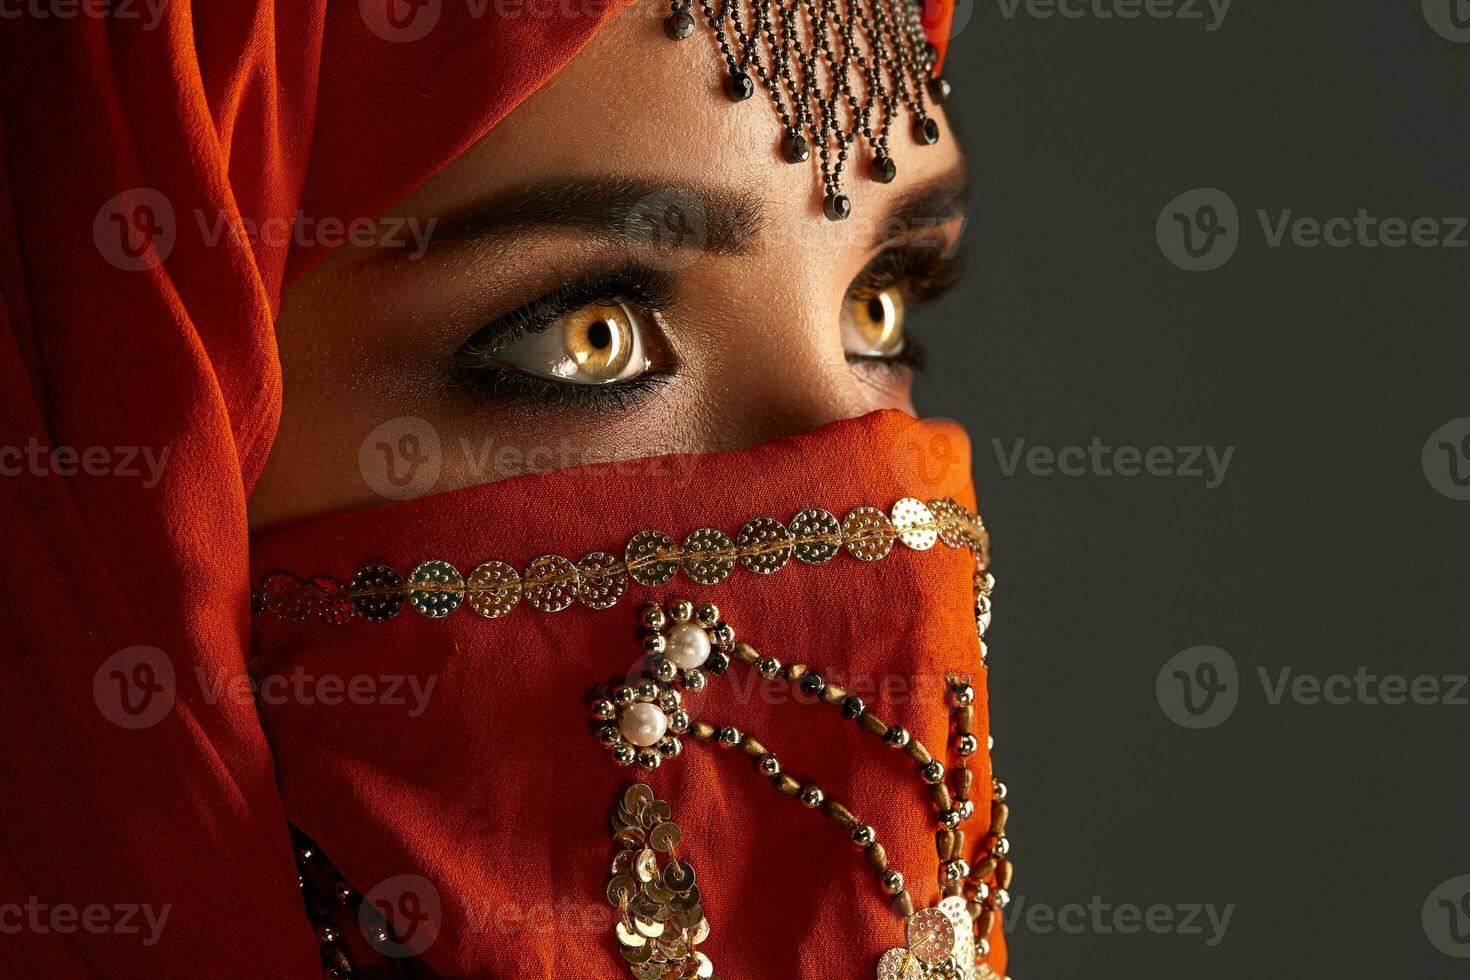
{"type": "Point", "coordinates": [561, 328]}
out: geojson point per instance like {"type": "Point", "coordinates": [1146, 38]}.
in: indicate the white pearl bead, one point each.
{"type": "Point", "coordinates": [643, 724]}
{"type": "Point", "coordinates": [689, 646]}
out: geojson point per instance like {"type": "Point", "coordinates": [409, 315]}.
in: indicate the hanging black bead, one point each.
{"type": "Point", "coordinates": [740, 86]}
{"type": "Point", "coordinates": [926, 131]}
{"type": "Point", "coordinates": [884, 170]}
{"type": "Point", "coordinates": [679, 25]}
{"type": "Point", "coordinates": [796, 149]}
{"type": "Point", "coordinates": [837, 207]}
{"type": "Point", "coordinates": [940, 90]}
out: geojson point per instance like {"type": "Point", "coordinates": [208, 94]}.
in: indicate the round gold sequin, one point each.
{"type": "Point", "coordinates": [950, 517]}
{"type": "Point", "coordinates": [286, 596]}
{"type": "Point", "coordinates": [494, 589]}
{"type": "Point", "coordinates": [621, 889]}
{"type": "Point", "coordinates": [601, 580]}
{"type": "Point", "coordinates": [765, 545]}
{"type": "Point", "coordinates": [665, 837]}
{"type": "Point", "coordinates": [438, 588]}
{"type": "Point", "coordinates": [550, 583]}
{"type": "Point", "coordinates": [331, 601]}
{"type": "Point", "coordinates": [708, 556]}
{"type": "Point", "coordinates": [377, 592]}
{"type": "Point", "coordinates": [915, 524]}
{"type": "Point", "coordinates": [867, 534]}
{"type": "Point", "coordinates": [629, 938]}
{"type": "Point", "coordinates": [899, 964]}
{"type": "Point", "coordinates": [931, 935]}
{"type": "Point", "coordinates": [954, 909]}
{"type": "Point", "coordinates": [652, 558]}
{"type": "Point", "coordinates": [818, 535]}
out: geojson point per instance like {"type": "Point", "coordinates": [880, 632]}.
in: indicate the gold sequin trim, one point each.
{"type": "Point", "coordinates": [552, 583]}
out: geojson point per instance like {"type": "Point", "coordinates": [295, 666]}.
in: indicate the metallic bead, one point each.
{"type": "Point", "coordinates": [863, 835]}
{"type": "Point", "coordinates": [853, 707]}
{"type": "Point", "coordinates": [1001, 847]}
{"type": "Point", "coordinates": [968, 744]}
{"type": "Point", "coordinates": [892, 881]}
{"type": "Point", "coordinates": [813, 796]}
{"type": "Point", "coordinates": [739, 86]}
{"type": "Point", "coordinates": [769, 766]}
{"type": "Point", "coordinates": [723, 634]}
{"type": "Point", "coordinates": [967, 809]}
{"type": "Point", "coordinates": [717, 663]}
{"type": "Point", "coordinates": [1000, 898]}
{"type": "Point", "coordinates": [926, 131]}
{"type": "Point", "coordinates": [707, 615]}
{"type": "Point", "coordinates": [649, 758]}
{"type": "Point", "coordinates": [305, 853]}
{"type": "Point", "coordinates": [327, 934]}
{"type": "Point", "coordinates": [933, 773]}
{"type": "Point", "coordinates": [655, 644]}
{"type": "Point", "coordinates": [813, 684]}
{"type": "Point", "coordinates": [609, 735]}
{"type": "Point", "coordinates": [950, 818]}
{"type": "Point", "coordinates": [624, 754]}
{"type": "Point", "coordinates": [624, 696]}
{"type": "Point", "coordinates": [679, 26]}
{"type": "Point", "coordinates": [956, 871]}
{"type": "Point", "coordinates": [664, 669]}
{"type": "Point", "coordinates": [982, 948]}
{"type": "Point", "coordinates": [940, 90]}
{"type": "Point", "coordinates": [897, 737]}
{"type": "Point", "coordinates": [962, 694]}
{"type": "Point", "coordinates": [604, 710]}
{"type": "Point", "coordinates": [883, 169]}
{"type": "Point", "coordinates": [769, 667]}
{"type": "Point", "coordinates": [795, 148]}
{"type": "Point", "coordinates": [647, 690]}
{"type": "Point", "coordinates": [837, 207]}
{"type": "Point", "coordinates": [669, 699]}
{"type": "Point", "coordinates": [679, 722]}
{"type": "Point", "coordinates": [729, 737]}
{"type": "Point", "coordinates": [982, 891]}
{"type": "Point", "coordinates": [654, 617]}
{"type": "Point", "coordinates": [670, 748]}
{"type": "Point", "coordinates": [1000, 790]}
{"type": "Point", "coordinates": [695, 681]}
{"type": "Point", "coordinates": [682, 611]}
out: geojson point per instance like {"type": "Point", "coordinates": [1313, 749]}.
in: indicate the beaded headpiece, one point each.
{"type": "Point", "coordinates": [839, 73]}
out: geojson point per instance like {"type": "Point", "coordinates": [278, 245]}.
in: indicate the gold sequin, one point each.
{"type": "Point", "coordinates": [765, 545]}
{"type": "Point", "coordinates": [914, 524]}
{"type": "Point", "coordinates": [899, 964]}
{"type": "Point", "coordinates": [931, 935]}
{"type": "Point", "coordinates": [868, 534]}
{"type": "Point", "coordinates": [494, 589]}
{"type": "Point", "coordinates": [550, 583]}
{"type": "Point", "coordinates": [601, 580]}
{"type": "Point", "coordinates": [377, 592]}
{"type": "Point", "coordinates": [652, 558]}
{"type": "Point", "coordinates": [438, 589]}
{"type": "Point", "coordinates": [818, 535]}
{"type": "Point", "coordinates": [708, 556]}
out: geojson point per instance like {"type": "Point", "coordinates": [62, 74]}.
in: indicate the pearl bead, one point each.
{"type": "Point", "coordinates": [643, 724]}
{"type": "Point", "coordinates": [689, 646]}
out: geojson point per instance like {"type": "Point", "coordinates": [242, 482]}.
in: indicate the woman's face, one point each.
{"type": "Point", "coordinates": [624, 267]}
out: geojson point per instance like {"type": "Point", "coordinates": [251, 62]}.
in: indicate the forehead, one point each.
{"type": "Point", "coordinates": [635, 104]}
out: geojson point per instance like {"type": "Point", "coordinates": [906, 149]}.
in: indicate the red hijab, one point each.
{"type": "Point", "coordinates": [142, 396]}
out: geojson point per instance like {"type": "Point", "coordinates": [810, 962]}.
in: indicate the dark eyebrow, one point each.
{"type": "Point", "coordinates": [939, 201]}
{"type": "Point", "coordinates": [664, 215]}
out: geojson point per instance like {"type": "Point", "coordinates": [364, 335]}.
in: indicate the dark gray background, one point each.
{"type": "Point", "coordinates": [1325, 549]}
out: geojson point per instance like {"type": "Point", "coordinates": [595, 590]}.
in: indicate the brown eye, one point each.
{"type": "Point", "coordinates": [601, 343]}
{"type": "Point", "coordinates": [874, 325]}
